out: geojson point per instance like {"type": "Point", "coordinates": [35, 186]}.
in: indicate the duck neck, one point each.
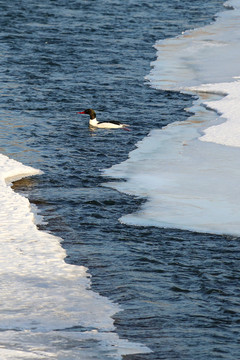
{"type": "Point", "coordinates": [93, 122]}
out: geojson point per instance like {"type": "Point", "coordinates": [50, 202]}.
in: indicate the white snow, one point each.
{"type": "Point", "coordinates": [41, 295]}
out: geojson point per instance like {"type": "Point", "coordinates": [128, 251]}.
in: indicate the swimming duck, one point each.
{"type": "Point", "coordinates": [103, 124]}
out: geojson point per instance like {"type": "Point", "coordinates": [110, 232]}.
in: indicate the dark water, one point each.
{"type": "Point", "coordinates": [179, 290]}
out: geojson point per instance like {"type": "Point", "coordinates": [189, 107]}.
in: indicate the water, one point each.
{"type": "Point", "coordinates": [189, 178]}
{"type": "Point", "coordinates": [178, 289]}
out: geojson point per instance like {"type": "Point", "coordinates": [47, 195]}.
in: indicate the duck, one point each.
{"type": "Point", "coordinates": [93, 122]}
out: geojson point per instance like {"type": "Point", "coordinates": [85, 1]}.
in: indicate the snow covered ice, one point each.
{"type": "Point", "coordinates": [188, 172]}
{"type": "Point", "coordinates": [47, 309]}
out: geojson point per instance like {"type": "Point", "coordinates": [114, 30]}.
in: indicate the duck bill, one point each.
{"type": "Point", "coordinates": [81, 112]}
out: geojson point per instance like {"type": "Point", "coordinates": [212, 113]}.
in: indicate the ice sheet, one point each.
{"type": "Point", "coordinates": [191, 185]}
{"type": "Point", "coordinates": [188, 172]}
{"type": "Point", "coordinates": [228, 131]}
{"type": "Point", "coordinates": [47, 308]}
{"type": "Point", "coordinates": [200, 56]}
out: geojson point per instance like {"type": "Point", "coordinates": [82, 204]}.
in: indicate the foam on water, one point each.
{"type": "Point", "coordinates": [47, 309]}
{"type": "Point", "coordinates": [189, 171]}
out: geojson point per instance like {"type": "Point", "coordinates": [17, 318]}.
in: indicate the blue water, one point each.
{"type": "Point", "coordinates": [179, 290]}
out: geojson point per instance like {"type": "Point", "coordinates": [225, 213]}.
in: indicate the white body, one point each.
{"type": "Point", "coordinates": [105, 125]}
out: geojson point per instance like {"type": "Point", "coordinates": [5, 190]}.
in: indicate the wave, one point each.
{"type": "Point", "coordinates": [188, 171]}
{"type": "Point", "coordinates": [47, 307]}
